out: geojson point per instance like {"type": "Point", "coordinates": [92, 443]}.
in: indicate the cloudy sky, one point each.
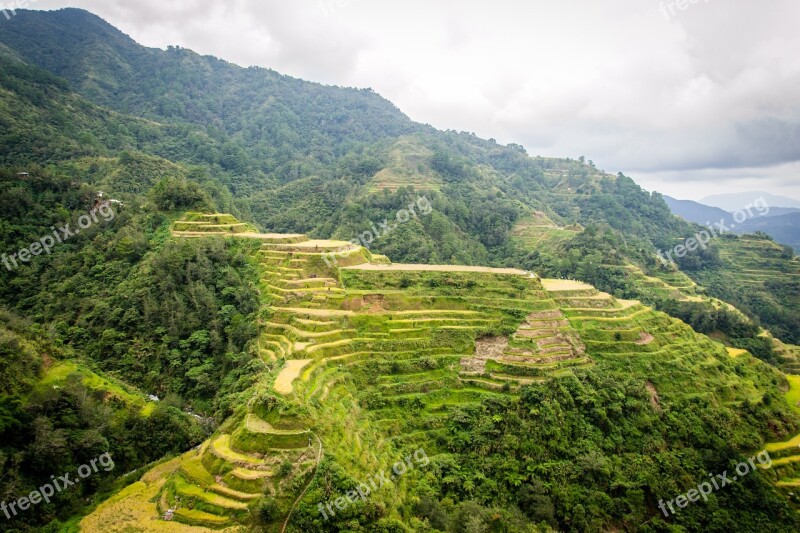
{"type": "Point", "coordinates": [689, 97]}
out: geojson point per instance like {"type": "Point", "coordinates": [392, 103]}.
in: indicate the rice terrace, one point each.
{"type": "Point", "coordinates": [327, 266]}
{"type": "Point", "coordinates": [352, 350]}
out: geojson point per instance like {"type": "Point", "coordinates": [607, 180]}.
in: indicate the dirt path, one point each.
{"type": "Point", "coordinates": [305, 490]}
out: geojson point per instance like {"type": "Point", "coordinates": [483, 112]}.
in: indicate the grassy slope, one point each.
{"type": "Point", "coordinates": [57, 375]}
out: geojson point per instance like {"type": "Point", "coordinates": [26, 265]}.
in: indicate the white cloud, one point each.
{"type": "Point", "coordinates": [716, 86]}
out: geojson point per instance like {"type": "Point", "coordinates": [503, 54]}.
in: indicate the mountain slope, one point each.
{"type": "Point", "coordinates": [479, 190]}
{"type": "Point", "coordinates": [696, 212]}
{"type": "Point", "coordinates": [447, 366]}
{"type": "Point", "coordinates": [539, 403]}
{"type": "Point", "coordinates": [267, 122]}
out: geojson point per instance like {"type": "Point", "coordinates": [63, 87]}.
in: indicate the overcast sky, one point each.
{"type": "Point", "coordinates": [691, 99]}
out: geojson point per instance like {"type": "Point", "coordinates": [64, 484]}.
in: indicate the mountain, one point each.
{"type": "Point", "coordinates": [736, 201]}
{"type": "Point", "coordinates": [267, 273]}
{"type": "Point", "coordinates": [301, 157]}
{"type": "Point", "coordinates": [696, 212]}
{"type": "Point", "coordinates": [450, 394]}
{"type": "Point", "coordinates": [265, 123]}
{"type": "Point", "coordinates": [780, 223]}
{"type": "Point", "coordinates": [780, 211]}
{"type": "Point", "coordinates": [783, 228]}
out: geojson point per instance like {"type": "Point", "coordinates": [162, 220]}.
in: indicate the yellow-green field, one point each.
{"type": "Point", "coordinates": [56, 376]}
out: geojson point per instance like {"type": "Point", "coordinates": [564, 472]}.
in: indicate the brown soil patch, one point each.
{"type": "Point", "coordinates": [549, 324]}
{"type": "Point", "coordinates": [540, 315]}
{"type": "Point", "coordinates": [354, 304]}
{"type": "Point", "coordinates": [645, 338]}
{"type": "Point", "coordinates": [375, 303]}
{"type": "Point", "coordinates": [654, 400]}
{"type": "Point", "coordinates": [485, 349]}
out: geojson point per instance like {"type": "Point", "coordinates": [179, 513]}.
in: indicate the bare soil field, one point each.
{"type": "Point", "coordinates": [397, 267]}
{"type": "Point", "coordinates": [565, 285]}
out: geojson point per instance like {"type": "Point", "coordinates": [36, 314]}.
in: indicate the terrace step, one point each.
{"type": "Point", "coordinates": [194, 470]}
{"type": "Point", "coordinates": [221, 447]}
{"type": "Point", "coordinates": [255, 424]}
{"type": "Point", "coordinates": [247, 474]}
{"type": "Point", "coordinates": [313, 280]}
{"type": "Point", "coordinates": [194, 517]}
{"type": "Point", "coordinates": [189, 490]}
{"type": "Point", "coordinates": [234, 494]}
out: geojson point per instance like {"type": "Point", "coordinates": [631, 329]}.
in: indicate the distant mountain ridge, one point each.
{"type": "Point", "coordinates": [696, 212]}
{"type": "Point", "coordinates": [738, 200]}
{"type": "Point", "coordinates": [782, 224]}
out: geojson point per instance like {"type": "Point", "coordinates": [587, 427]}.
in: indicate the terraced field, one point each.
{"type": "Point", "coordinates": [538, 232]}
{"type": "Point", "coordinates": [197, 224]}
{"type": "Point", "coordinates": [761, 271]}
{"type": "Point", "coordinates": [759, 260]}
{"type": "Point", "coordinates": [368, 360]}
{"type": "Point", "coordinates": [408, 165]}
{"type": "Point", "coordinates": [762, 265]}
{"type": "Point", "coordinates": [786, 455]}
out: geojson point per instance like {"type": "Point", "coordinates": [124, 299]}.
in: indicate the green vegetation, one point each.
{"type": "Point", "coordinates": [702, 300]}
{"type": "Point", "coordinates": [543, 404]}
{"type": "Point", "coordinates": [760, 277]}
{"type": "Point", "coordinates": [461, 364]}
{"type": "Point", "coordinates": [56, 416]}
{"type": "Point", "coordinates": [114, 322]}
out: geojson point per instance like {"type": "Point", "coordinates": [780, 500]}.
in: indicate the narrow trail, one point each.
{"type": "Point", "coordinates": [305, 490]}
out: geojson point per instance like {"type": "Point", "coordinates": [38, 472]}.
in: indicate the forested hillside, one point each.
{"type": "Point", "coordinates": [131, 307]}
